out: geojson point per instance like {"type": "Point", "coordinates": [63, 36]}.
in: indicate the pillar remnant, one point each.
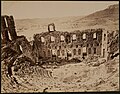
{"type": "Point", "coordinates": [8, 26]}
{"type": "Point", "coordinates": [11, 27]}
{"type": "Point", "coordinates": [4, 30]}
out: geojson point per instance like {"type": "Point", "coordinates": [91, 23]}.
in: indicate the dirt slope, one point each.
{"type": "Point", "coordinates": [68, 78]}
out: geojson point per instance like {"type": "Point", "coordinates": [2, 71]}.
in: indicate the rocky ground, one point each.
{"type": "Point", "coordinates": [77, 77]}
{"type": "Point", "coordinates": [86, 76]}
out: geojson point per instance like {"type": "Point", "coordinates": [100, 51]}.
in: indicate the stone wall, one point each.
{"type": "Point", "coordinates": [10, 39]}
{"type": "Point", "coordinates": [68, 45]}
{"type": "Point", "coordinates": [57, 44]}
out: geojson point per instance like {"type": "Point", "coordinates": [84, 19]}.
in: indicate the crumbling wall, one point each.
{"type": "Point", "coordinates": [113, 45]}
{"type": "Point", "coordinates": [8, 26]}
{"type": "Point", "coordinates": [67, 48]}
{"type": "Point", "coordinates": [18, 43]}
{"type": "Point", "coordinates": [17, 53]}
{"type": "Point", "coordinates": [56, 45]}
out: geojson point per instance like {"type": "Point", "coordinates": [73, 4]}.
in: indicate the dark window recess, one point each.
{"type": "Point", "coordinates": [51, 41]}
{"type": "Point", "coordinates": [79, 51]}
{"type": "Point", "coordinates": [74, 51]}
{"type": "Point", "coordinates": [67, 39]}
{"type": "Point", "coordinates": [59, 47]}
{"type": "Point", "coordinates": [55, 47]}
{"type": "Point", "coordinates": [76, 46]}
{"type": "Point", "coordinates": [104, 36]}
{"type": "Point", "coordinates": [69, 55]}
{"type": "Point", "coordinates": [89, 51]}
{"type": "Point", "coordinates": [53, 55]}
{"type": "Point", "coordinates": [94, 50]}
{"type": "Point", "coordinates": [84, 54]}
{"type": "Point", "coordinates": [97, 44]}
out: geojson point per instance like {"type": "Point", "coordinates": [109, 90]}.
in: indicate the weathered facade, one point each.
{"type": "Point", "coordinates": [68, 45]}
{"type": "Point", "coordinates": [60, 45]}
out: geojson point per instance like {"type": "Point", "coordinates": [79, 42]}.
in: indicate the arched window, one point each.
{"type": "Point", "coordinates": [84, 49]}
{"type": "Point", "coordinates": [21, 48]}
{"type": "Point", "coordinates": [62, 38]}
{"type": "Point", "coordinates": [84, 36]}
{"type": "Point", "coordinates": [52, 38]}
{"type": "Point", "coordinates": [42, 39]}
{"type": "Point", "coordinates": [51, 28]}
{"type": "Point", "coordinates": [74, 51]}
{"type": "Point", "coordinates": [1, 36]}
{"type": "Point", "coordinates": [79, 51]}
{"type": "Point", "coordinates": [74, 37]}
{"type": "Point", "coordinates": [9, 36]}
{"type": "Point", "coordinates": [94, 35]}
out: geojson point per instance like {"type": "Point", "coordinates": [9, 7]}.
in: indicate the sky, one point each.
{"type": "Point", "coordinates": [49, 9]}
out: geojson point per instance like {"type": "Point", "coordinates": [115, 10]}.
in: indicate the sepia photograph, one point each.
{"type": "Point", "coordinates": [59, 46]}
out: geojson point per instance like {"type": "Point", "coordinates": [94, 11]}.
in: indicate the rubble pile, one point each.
{"type": "Point", "coordinates": [25, 69]}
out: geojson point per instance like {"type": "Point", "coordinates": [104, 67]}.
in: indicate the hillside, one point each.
{"type": "Point", "coordinates": [38, 25]}
{"type": "Point", "coordinates": [107, 18]}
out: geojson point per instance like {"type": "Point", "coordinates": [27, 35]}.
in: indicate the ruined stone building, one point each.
{"type": "Point", "coordinates": [60, 45]}
{"type": "Point", "coordinates": [68, 45]}
{"type": "Point", "coordinates": [10, 39]}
